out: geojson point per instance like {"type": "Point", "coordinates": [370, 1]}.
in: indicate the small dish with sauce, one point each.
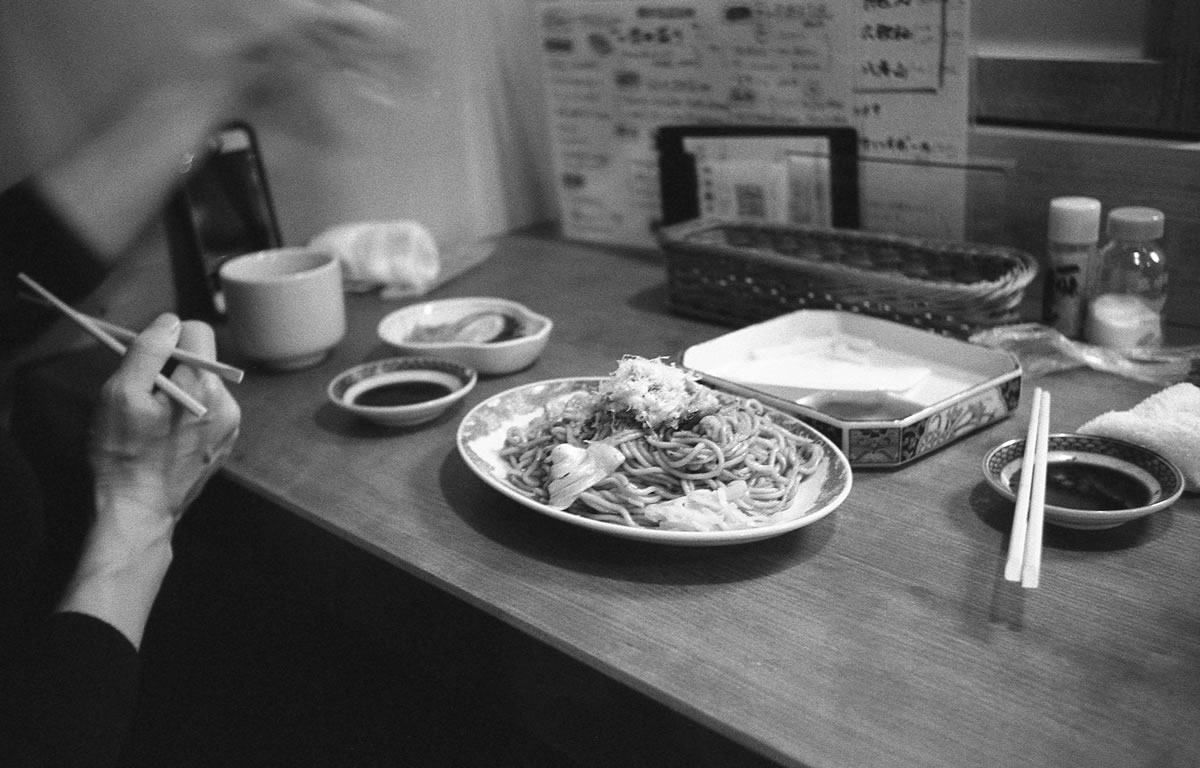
{"type": "Point", "coordinates": [491, 335]}
{"type": "Point", "coordinates": [401, 391]}
{"type": "Point", "coordinates": [1092, 482]}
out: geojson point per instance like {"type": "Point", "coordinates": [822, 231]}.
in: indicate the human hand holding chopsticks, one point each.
{"type": "Point", "coordinates": [142, 445]}
{"type": "Point", "coordinates": [149, 460]}
{"type": "Point", "coordinates": [93, 327]}
{"type": "Point", "coordinates": [227, 372]}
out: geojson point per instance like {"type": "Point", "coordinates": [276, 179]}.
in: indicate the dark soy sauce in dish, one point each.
{"type": "Point", "coordinates": [1079, 485]}
{"type": "Point", "coordinates": [396, 393]}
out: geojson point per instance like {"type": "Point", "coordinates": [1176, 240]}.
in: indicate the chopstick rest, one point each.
{"type": "Point", "coordinates": [172, 389]}
{"type": "Point", "coordinates": [1025, 542]}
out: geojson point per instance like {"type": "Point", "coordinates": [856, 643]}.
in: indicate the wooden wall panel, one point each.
{"type": "Point", "coordinates": [1117, 171]}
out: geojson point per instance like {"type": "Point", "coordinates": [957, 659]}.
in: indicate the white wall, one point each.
{"type": "Point", "coordinates": [463, 150]}
{"type": "Point", "coordinates": [464, 153]}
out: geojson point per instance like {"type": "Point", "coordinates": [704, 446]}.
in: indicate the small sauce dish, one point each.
{"type": "Point", "coordinates": [492, 335]}
{"type": "Point", "coordinates": [401, 391]}
{"type": "Point", "coordinates": [1092, 482]}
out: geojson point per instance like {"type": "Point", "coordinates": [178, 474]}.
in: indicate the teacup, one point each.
{"type": "Point", "coordinates": [285, 306]}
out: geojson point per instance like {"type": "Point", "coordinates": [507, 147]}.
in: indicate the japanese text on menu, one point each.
{"type": "Point", "coordinates": [616, 70]}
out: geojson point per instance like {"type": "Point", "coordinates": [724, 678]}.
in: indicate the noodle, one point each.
{"type": "Point", "coordinates": [737, 452]}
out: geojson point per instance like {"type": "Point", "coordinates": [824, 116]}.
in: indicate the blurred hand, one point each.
{"type": "Point", "coordinates": [276, 46]}
{"type": "Point", "coordinates": [149, 456]}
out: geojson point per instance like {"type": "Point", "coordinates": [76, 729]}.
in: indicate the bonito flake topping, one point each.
{"type": "Point", "coordinates": [656, 393]}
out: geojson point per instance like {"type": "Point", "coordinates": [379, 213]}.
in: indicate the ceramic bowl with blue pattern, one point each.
{"type": "Point", "coordinates": [1092, 482]}
{"type": "Point", "coordinates": [401, 391]}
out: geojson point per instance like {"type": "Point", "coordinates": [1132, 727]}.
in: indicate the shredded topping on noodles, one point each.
{"type": "Point", "coordinates": [656, 394]}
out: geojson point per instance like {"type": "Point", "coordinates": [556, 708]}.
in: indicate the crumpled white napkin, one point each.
{"type": "Point", "coordinates": [1167, 422]}
{"type": "Point", "coordinates": [399, 257]}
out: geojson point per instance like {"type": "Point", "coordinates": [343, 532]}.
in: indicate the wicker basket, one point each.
{"type": "Point", "coordinates": [737, 273]}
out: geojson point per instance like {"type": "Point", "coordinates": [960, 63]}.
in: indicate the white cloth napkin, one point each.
{"type": "Point", "coordinates": [1167, 422]}
{"type": "Point", "coordinates": [399, 257]}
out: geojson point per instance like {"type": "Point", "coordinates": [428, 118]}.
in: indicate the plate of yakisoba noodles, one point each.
{"type": "Point", "coordinates": [651, 453]}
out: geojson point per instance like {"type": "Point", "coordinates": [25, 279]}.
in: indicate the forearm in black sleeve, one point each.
{"type": "Point", "coordinates": [70, 700]}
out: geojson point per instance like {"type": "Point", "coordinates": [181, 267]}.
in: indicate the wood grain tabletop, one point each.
{"type": "Point", "coordinates": [882, 635]}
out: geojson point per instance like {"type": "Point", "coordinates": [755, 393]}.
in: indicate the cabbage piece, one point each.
{"type": "Point", "coordinates": [573, 470]}
{"type": "Point", "coordinates": [703, 510]}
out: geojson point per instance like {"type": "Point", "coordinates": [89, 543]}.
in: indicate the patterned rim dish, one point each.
{"type": "Point", "coordinates": [1136, 480]}
{"type": "Point", "coordinates": [482, 431]}
{"type": "Point", "coordinates": [456, 380]}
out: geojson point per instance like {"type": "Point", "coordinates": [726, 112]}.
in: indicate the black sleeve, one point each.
{"type": "Point", "coordinates": [70, 699]}
{"type": "Point", "coordinates": [34, 239]}
{"type": "Point", "coordinates": [69, 690]}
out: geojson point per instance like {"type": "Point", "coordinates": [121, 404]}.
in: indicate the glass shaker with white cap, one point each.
{"type": "Point", "coordinates": [1129, 285]}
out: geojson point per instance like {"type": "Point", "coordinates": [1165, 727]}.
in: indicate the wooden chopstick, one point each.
{"type": "Point", "coordinates": [83, 321]}
{"type": "Point", "coordinates": [227, 372]}
{"type": "Point", "coordinates": [1031, 572]}
{"type": "Point", "coordinates": [1025, 541]}
{"type": "Point", "coordinates": [1020, 524]}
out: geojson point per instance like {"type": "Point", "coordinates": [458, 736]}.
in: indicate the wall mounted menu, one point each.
{"type": "Point", "coordinates": [894, 70]}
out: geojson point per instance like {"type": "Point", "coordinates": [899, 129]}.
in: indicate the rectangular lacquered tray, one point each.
{"type": "Point", "coordinates": [884, 392]}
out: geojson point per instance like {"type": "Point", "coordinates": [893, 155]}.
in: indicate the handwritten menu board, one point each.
{"type": "Point", "coordinates": [895, 70]}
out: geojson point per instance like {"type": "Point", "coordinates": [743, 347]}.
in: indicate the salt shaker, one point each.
{"type": "Point", "coordinates": [1073, 233]}
{"type": "Point", "coordinates": [1129, 287]}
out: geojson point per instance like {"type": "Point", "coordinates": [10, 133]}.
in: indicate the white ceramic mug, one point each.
{"type": "Point", "coordinates": [285, 306]}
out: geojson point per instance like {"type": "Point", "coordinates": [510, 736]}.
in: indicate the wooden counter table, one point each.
{"type": "Point", "coordinates": [883, 635]}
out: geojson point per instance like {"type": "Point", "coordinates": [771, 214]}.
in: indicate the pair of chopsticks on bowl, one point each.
{"type": "Point", "coordinates": [114, 337]}
{"type": "Point", "coordinates": [1024, 562]}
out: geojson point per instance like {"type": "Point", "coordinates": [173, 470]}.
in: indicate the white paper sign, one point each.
{"type": "Point", "coordinates": [787, 181]}
{"type": "Point", "coordinates": [617, 70]}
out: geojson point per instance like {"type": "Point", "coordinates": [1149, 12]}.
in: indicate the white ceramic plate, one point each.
{"type": "Point", "coordinates": [1120, 481]}
{"type": "Point", "coordinates": [482, 431]}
